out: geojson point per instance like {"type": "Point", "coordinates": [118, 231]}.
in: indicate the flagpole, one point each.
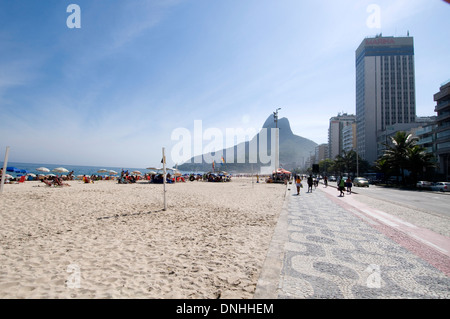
{"type": "Point", "coordinates": [5, 164]}
{"type": "Point", "coordinates": [164, 177]}
{"type": "Point", "coordinates": [174, 176]}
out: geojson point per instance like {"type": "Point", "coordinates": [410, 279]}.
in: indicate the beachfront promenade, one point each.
{"type": "Point", "coordinates": [325, 246]}
{"type": "Point", "coordinates": [217, 240]}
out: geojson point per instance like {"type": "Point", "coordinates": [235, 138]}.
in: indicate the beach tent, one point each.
{"type": "Point", "coordinates": [282, 171]}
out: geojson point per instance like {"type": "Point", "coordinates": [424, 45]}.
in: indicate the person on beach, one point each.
{"type": "Point", "coordinates": [341, 186]}
{"type": "Point", "coordinates": [298, 183]}
{"type": "Point", "coordinates": [310, 183]}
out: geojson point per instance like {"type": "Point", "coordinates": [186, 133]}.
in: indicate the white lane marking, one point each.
{"type": "Point", "coordinates": [369, 220]}
{"type": "Point", "coordinates": [376, 216]}
{"type": "Point", "coordinates": [429, 243]}
{"type": "Point", "coordinates": [393, 218]}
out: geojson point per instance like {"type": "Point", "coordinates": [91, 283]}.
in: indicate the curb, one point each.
{"type": "Point", "coordinates": [269, 279]}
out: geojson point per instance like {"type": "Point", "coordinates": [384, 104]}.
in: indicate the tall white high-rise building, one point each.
{"type": "Point", "coordinates": [335, 133]}
{"type": "Point", "coordinates": [385, 90]}
{"type": "Point", "coordinates": [321, 153]}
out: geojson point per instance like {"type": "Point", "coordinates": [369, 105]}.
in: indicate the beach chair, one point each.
{"type": "Point", "coordinates": [22, 179]}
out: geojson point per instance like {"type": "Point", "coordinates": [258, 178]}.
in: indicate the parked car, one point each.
{"type": "Point", "coordinates": [361, 182]}
{"type": "Point", "coordinates": [424, 185]}
{"type": "Point", "coordinates": [441, 186]}
{"type": "Point", "coordinates": [332, 179]}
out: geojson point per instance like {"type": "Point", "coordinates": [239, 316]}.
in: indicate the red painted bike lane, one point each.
{"type": "Point", "coordinates": [428, 245]}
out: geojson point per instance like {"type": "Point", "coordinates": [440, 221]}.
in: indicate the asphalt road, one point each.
{"type": "Point", "coordinates": [429, 201]}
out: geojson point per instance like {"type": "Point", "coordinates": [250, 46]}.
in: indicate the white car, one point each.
{"type": "Point", "coordinates": [361, 182]}
{"type": "Point", "coordinates": [424, 184]}
{"type": "Point", "coordinates": [441, 186]}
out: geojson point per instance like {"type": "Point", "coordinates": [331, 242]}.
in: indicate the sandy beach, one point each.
{"type": "Point", "coordinates": [109, 240]}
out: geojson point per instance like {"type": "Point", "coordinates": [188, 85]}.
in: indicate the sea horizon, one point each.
{"type": "Point", "coordinates": [77, 169]}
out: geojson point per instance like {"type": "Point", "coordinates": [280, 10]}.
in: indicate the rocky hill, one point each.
{"type": "Point", "coordinates": [294, 150]}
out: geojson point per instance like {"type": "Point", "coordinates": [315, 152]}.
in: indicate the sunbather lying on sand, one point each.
{"type": "Point", "coordinates": [55, 182]}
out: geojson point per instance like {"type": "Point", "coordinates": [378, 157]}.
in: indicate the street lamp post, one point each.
{"type": "Point", "coordinates": [275, 117]}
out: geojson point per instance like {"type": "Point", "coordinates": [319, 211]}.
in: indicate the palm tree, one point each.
{"type": "Point", "coordinates": [396, 153]}
{"type": "Point", "coordinates": [382, 165]}
{"type": "Point", "coordinates": [418, 159]}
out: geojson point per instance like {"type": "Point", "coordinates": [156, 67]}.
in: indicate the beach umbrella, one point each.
{"type": "Point", "coordinates": [13, 169]}
{"type": "Point", "coordinates": [43, 169]}
{"type": "Point", "coordinates": [136, 172]}
{"type": "Point", "coordinates": [112, 172]}
{"type": "Point", "coordinates": [60, 170]}
{"type": "Point", "coordinates": [157, 169]}
{"type": "Point", "coordinates": [103, 170]}
{"type": "Point", "coordinates": [8, 176]}
{"type": "Point", "coordinates": [160, 168]}
{"type": "Point", "coordinates": [176, 172]}
{"type": "Point", "coordinates": [152, 173]}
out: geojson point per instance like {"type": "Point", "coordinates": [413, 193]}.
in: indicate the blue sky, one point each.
{"type": "Point", "coordinates": [111, 92]}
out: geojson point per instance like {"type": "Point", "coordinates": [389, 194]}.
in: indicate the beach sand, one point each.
{"type": "Point", "coordinates": [109, 240]}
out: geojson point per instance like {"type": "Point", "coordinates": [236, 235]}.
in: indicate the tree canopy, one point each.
{"type": "Point", "coordinates": [403, 154]}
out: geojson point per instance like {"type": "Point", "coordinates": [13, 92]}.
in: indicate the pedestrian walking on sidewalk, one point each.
{"type": "Point", "coordinates": [341, 186]}
{"type": "Point", "coordinates": [325, 181]}
{"type": "Point", "coordinates": [298, 183]}
{"type": "Point", "coordinates": [349, 185]}
{"type": "Point", "coordinates": [310, 183]}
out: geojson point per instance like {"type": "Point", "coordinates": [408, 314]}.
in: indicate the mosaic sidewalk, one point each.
{"type": "Point", "coordinates": [323, 250]}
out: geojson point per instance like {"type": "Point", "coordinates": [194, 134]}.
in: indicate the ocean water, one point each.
{"type": "Point", "coordinates": [77, 169]}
